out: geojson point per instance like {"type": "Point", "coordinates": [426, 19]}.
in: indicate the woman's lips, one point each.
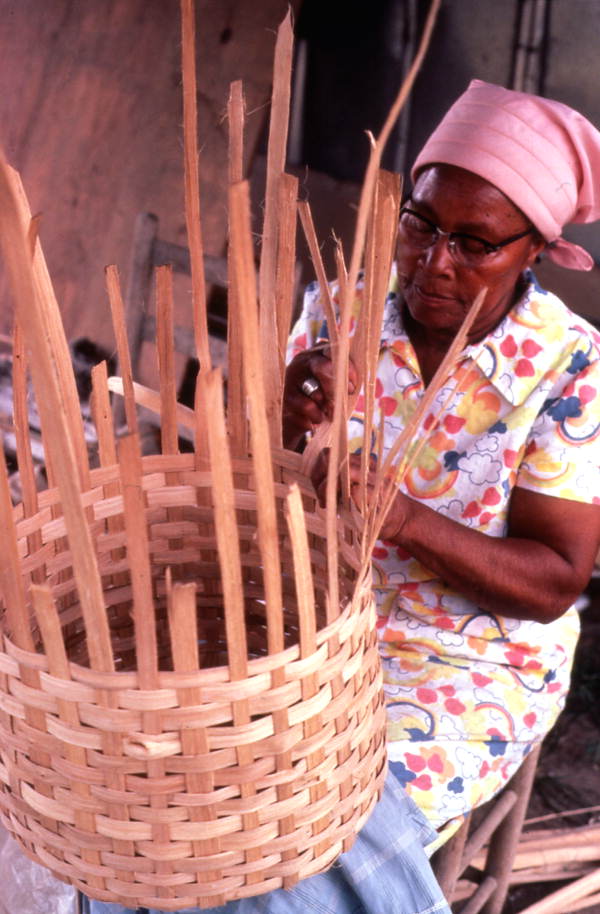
{"type": "Point", "coordinates": [432, 296]}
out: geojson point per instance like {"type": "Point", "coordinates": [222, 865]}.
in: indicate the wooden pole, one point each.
{"type": "Point", "coordinates": [273, 222]}
{"type": "Point", "coordinates": [183, 629]}
{"type": "Point", "coordinates": [236, 419]}
{"type": "Point", "coordinates": [276, 154]}
{"type": "Point", "coordinates": [11, 581]}
{"type": "Point", "coordinates": [307, 630]}
{"type": "Point", "coordinates": [192, 182]}
{"type": "Point", "coordinates": [308, 227]}
{"type": "Point", "coordinates": [134, 512]}
{"type": "Point", "coordinates": [225, 523]}
{"type": "Point", "coordinates": [117, 310]}
{"type": "Point", "coordinates": [268, 537]}
{"type": "Point", "coordinates": [21, 423]}
{"type": "Point", "coordinates": [24, 456]}
{"type": "Point", "coordinates": [284, 285]}
{"type": "Point", "coordinates": [166, 360]}
{"type": "Point", "coordinates": [366, 342]}
{"type": "Point", "coordinates": [51, 404]}
{"type": "Point", "coordinates": [107, 453]}
{"type": "Point", "coordinates": [558, 902]}
{"type": "Point", "coordinates": [49, 315]}
{"type": "Point", "coordinates": [100, 403]}
{"type": "Point", "coordinates": [210, 396]}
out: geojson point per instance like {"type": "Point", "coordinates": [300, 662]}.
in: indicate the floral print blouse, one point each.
{"type": "Point", "coordinates": [469, 692]}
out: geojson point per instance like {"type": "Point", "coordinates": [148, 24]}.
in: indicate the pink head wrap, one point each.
{"type": "Point", "coordinates": [541, 154]}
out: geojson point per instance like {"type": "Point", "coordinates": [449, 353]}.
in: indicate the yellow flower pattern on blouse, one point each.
{"type": "Point", "coordinates": [469, 692]}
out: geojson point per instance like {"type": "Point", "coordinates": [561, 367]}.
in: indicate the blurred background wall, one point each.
{"type": "Point", "coordinates": [90, 113]}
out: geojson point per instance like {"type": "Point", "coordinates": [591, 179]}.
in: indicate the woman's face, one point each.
{"type": "Point", "coordinates": [438, 292]}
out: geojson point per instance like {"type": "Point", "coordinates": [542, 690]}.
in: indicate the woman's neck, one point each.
{"type": "Point", "coordinates": [429, 348]}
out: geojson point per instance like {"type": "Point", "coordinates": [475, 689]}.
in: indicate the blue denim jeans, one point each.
{"type": "Point", "coordinates": [386, 871]}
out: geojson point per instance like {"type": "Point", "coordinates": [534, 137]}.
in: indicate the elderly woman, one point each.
{"type": "Point", "coordinates": [494, 531]}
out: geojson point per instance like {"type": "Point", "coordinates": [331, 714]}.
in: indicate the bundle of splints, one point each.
{"type": "Point", "coordinates": [190, 693]}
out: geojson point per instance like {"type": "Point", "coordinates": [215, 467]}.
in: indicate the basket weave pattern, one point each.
{"type": "Point", "coordinates": [161, 797]}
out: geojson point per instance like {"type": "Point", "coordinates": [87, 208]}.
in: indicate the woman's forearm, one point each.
{"type": "Point", "coordinates": [516, 577]}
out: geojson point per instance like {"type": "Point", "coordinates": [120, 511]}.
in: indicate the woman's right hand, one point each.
{"type": "Point", "coordinates": [305, 409]}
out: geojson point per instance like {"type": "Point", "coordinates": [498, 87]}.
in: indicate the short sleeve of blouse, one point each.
{"type": "Point", "coordinates": [562, 456]}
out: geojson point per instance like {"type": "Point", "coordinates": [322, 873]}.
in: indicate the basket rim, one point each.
{"type": "Point", "coordinates": [13, 657]}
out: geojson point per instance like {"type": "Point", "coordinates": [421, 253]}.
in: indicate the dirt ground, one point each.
{"type": "Point", "coordinates": [568, 775]}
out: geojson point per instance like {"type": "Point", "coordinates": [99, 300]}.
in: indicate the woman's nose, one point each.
{"type": "Point", "coordinates": [438, 256]}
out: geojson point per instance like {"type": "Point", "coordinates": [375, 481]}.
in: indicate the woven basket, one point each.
{"type": "Point", "coordinates": [205, 788]}
{"type": "Point", "coordinates": [191, 705]}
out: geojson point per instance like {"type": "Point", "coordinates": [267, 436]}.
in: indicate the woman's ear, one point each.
{"type": "Point", "coordinates": [536, 251]}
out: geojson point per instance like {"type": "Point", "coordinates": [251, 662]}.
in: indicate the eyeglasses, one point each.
{"type": "Point", "coordinates": [466, 250]}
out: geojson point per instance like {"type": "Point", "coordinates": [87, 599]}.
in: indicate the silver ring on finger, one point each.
{"type": "Point", "coordinates": [309, 386]}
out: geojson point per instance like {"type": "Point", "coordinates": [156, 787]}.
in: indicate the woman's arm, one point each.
{"type": "Point", "coordinates": [535, 572]}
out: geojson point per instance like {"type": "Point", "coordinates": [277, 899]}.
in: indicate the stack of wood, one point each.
{"type": "Point", "coordinates": [570, 856]}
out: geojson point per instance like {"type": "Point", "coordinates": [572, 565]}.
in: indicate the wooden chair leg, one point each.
{"type": "Point", "coordinates": [482, 893]}
{"type": "Point", "coordinates": [504, 841]}
{"type": "Point", "coordinates": [500, 808]}
{"type": "Point", "coordinates": [446, 862]}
